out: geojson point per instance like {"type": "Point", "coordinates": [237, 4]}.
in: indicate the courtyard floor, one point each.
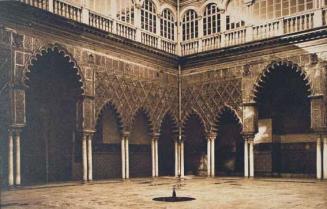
{"type": "Point", "coordinates": [215, 193]}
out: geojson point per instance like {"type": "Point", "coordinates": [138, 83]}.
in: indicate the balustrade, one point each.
{"type": "Point", "coordinates": [298, 23]}
{"type": "Point", "coordinates": [100, 22]}
{"type": "Point", "coordinates": [67, 10]}
{"type": "Point", "coordinates": [149, 39]}
{"type": "Point", "coordinates": [285, 25]}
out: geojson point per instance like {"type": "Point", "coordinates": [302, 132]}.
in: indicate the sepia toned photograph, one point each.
{"type": "Point", "coordinates": [163, 104]}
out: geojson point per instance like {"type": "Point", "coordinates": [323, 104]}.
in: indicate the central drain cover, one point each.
{"type": "Point", "coordinates": [173, 199]}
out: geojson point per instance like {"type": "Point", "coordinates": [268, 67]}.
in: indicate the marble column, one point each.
{"type": "Point", "coordinates": [84, 151]}
{"type": "Point", "coordinates": [127, 157]}
{"type": "Point", "coordinates": [246, 159]}
{"type": "Point", "coordinates": [153, 157]}
{"type": "Point", "coordinates": [213, 171]}
{"type": "Point", "coordinates": [325, 158]}
{"type": "Point", "coordinates": [10, 159]}
{"type": "Point", "coordinates": [182, 158]}
{"type": "Point", "coordinates": [176, 159]}
{"type": "Point", "coordinates": [123, 166]}
{"type": "Point", "coordinates": [89, 159]}
{"type": "Point", "coordinates": [251, 158]}
{"type": "Point", "coordinates": [209, 156]}
{"type": "Point", "coordinates": [157, 157]}
{"type": "Point", "coordinates": [318, 161]}
{"type": "Point", "coordinates": [18, 174]}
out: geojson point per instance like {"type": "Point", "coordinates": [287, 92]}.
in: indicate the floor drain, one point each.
{"type": "Point", "coordinates": [173, 199]}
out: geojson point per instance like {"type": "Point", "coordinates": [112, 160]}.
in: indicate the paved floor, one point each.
{"type": "Point", "coordinates": [215, 193]}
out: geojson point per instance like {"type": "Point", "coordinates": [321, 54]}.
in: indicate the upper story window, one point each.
{"type": "Point", "coordinates": [167, 25]}
{"type": "Point", "coordinates": [211, 19]}
{"type": "Point", "coordinates": [233, 17]}
{"type": "Point", "coordinates": [190, 25]}
{"type": "Point", "coordinates": [148, 16]}
{"type": "Point", "coordinates": [269, 9]}
{"type": "Point", "coordinates": [125, 11]}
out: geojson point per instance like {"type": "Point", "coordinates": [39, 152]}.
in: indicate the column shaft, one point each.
{"type": "Point", "coordinates": [176, 159]}
{"type": "Point", "coordinates": [84, 150]}
{"type": "Point", "coordinates": [153, 158]}
{"type": "Point", "coordinates": [325, 158]}
{"type": "Point", "coordinates": [213, 171]}
{"type": "Point", "coordinates": [318, 161]}
{"type": "Point", "coordinates": [123, 166]}
{"type": "Point", "coordinates": [18, 175]}
{"type": "Point", "coordinates": [157, 157]}
{"type": "Point", "coordinates": [89, 159]}
{"type": "Point", "coordinates": [209, 157]}
{"type": "Point", "coordinates": [251, 158]}
{"type": "Point", "coordinates": [246, 159]}
{"type": "Point", "coordinates": [10, 160]}
{"type": "Point", "coordinates": [182, 158]}
{"type": "Point", "coordinates": [127, 158]}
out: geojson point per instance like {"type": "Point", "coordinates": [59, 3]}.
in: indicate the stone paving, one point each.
{"type": "Point", "coordinates": [224, 193]}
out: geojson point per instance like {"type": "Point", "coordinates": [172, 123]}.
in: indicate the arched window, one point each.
{"type": "Point", "coordinates": [190, 25]}
{"type": "Point", "coordinates": [211, 19]}
{"type": "Point", "coordinates": [233, 17]}
{"type": "Point", "coordinates": [125, 11]}
{"type": "Point", "coordinates": [269, 9]}
{"type": "Point", "coordinates": [167, 24]}
{"type": "Point", "coordinates": [148, 16]}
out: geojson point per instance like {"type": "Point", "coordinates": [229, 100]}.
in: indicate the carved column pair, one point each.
{"type": "Point", "coordinates": [154, 154]}
{"type": "Point", "coordinates": [211, 155]}
{"type": "Point", "coordinates": [125, 155]}
{"type": "Point", "coordinates": [250, 123]}
{"type": "Point", "coordinates": [179, 157]}
{"type": "Point", "coordinates": [14, 165]}
{"type": "Point", "coordinates": [87, 156]}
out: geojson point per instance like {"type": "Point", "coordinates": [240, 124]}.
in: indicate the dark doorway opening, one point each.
{"type": "Point", "coordinates": [107, 145]}
{"type": "Point", "coordinates": [140, 161]}
{"type": "Point", "coordinates": [195, 156]}
{"type": "Point", "coordinates": [166, 146]}
{"type": "Point", "coordinates": [51, 112]}
{"type": "Point", "coordinates": [229, 145]}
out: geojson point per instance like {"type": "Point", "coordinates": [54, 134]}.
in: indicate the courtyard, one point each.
{"type": "Point", "coordinates": [220, 192]}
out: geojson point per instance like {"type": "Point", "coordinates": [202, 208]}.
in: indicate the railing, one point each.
{"type": "Point", "coordinates": [67, 10]}
{"type": "Point", "coordinates": [42, 4]}
{"type": "Point", "coordinates": [125, 30]}
{"type": "Point", "coordinates": [267, 30]}
{"type": "Point", "coordinates": [190, 47]}
{"type": "Point", "coordinates": [100, 22]}
{"type": "Point", "coordinates": [298, 23]}
{"type": "Point", "coordinates": [285, 25]}
{"type": "Point", "coordinates": [149, 39]}
{"type": "Point", "coordinates": [168, 46]}
{"type": "Point", "coordinates": [211, 42]}
{"type": "Point", "coordinates": [237, 36]}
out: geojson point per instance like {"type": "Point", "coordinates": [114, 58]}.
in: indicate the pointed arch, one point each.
{"type": "Point", "coordinates": [231, 111]}
{"type": "Point", "coordinates": [109, 104]}
{"type": "Point", "coordinates": [146, 113]}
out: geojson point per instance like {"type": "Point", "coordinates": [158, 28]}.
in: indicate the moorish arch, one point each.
{"type": "Point", "coordinates": [229, 143]}
{"type": "Point", "coordinates": [284, 138]}
{"type": "Point", "coordinates": [140, 158]}
{"type": "Point", "coordinates": [195, 145]}
{"type": "Point", "coordinates": [50, 139]}
{"type": "Point", "coordinates": [166, 145]}
{"type": "Point", "coordinates": [107, 143]}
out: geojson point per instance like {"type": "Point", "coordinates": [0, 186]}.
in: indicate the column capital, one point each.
{"type": "Point", "coordinates": [250, 103]}
{"type": "Point", "coordinates": [248, 136]}
{"type": "Point", "coordinates": [125, 134]}
{"type": "Point", "coordinates": [156, 136]}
